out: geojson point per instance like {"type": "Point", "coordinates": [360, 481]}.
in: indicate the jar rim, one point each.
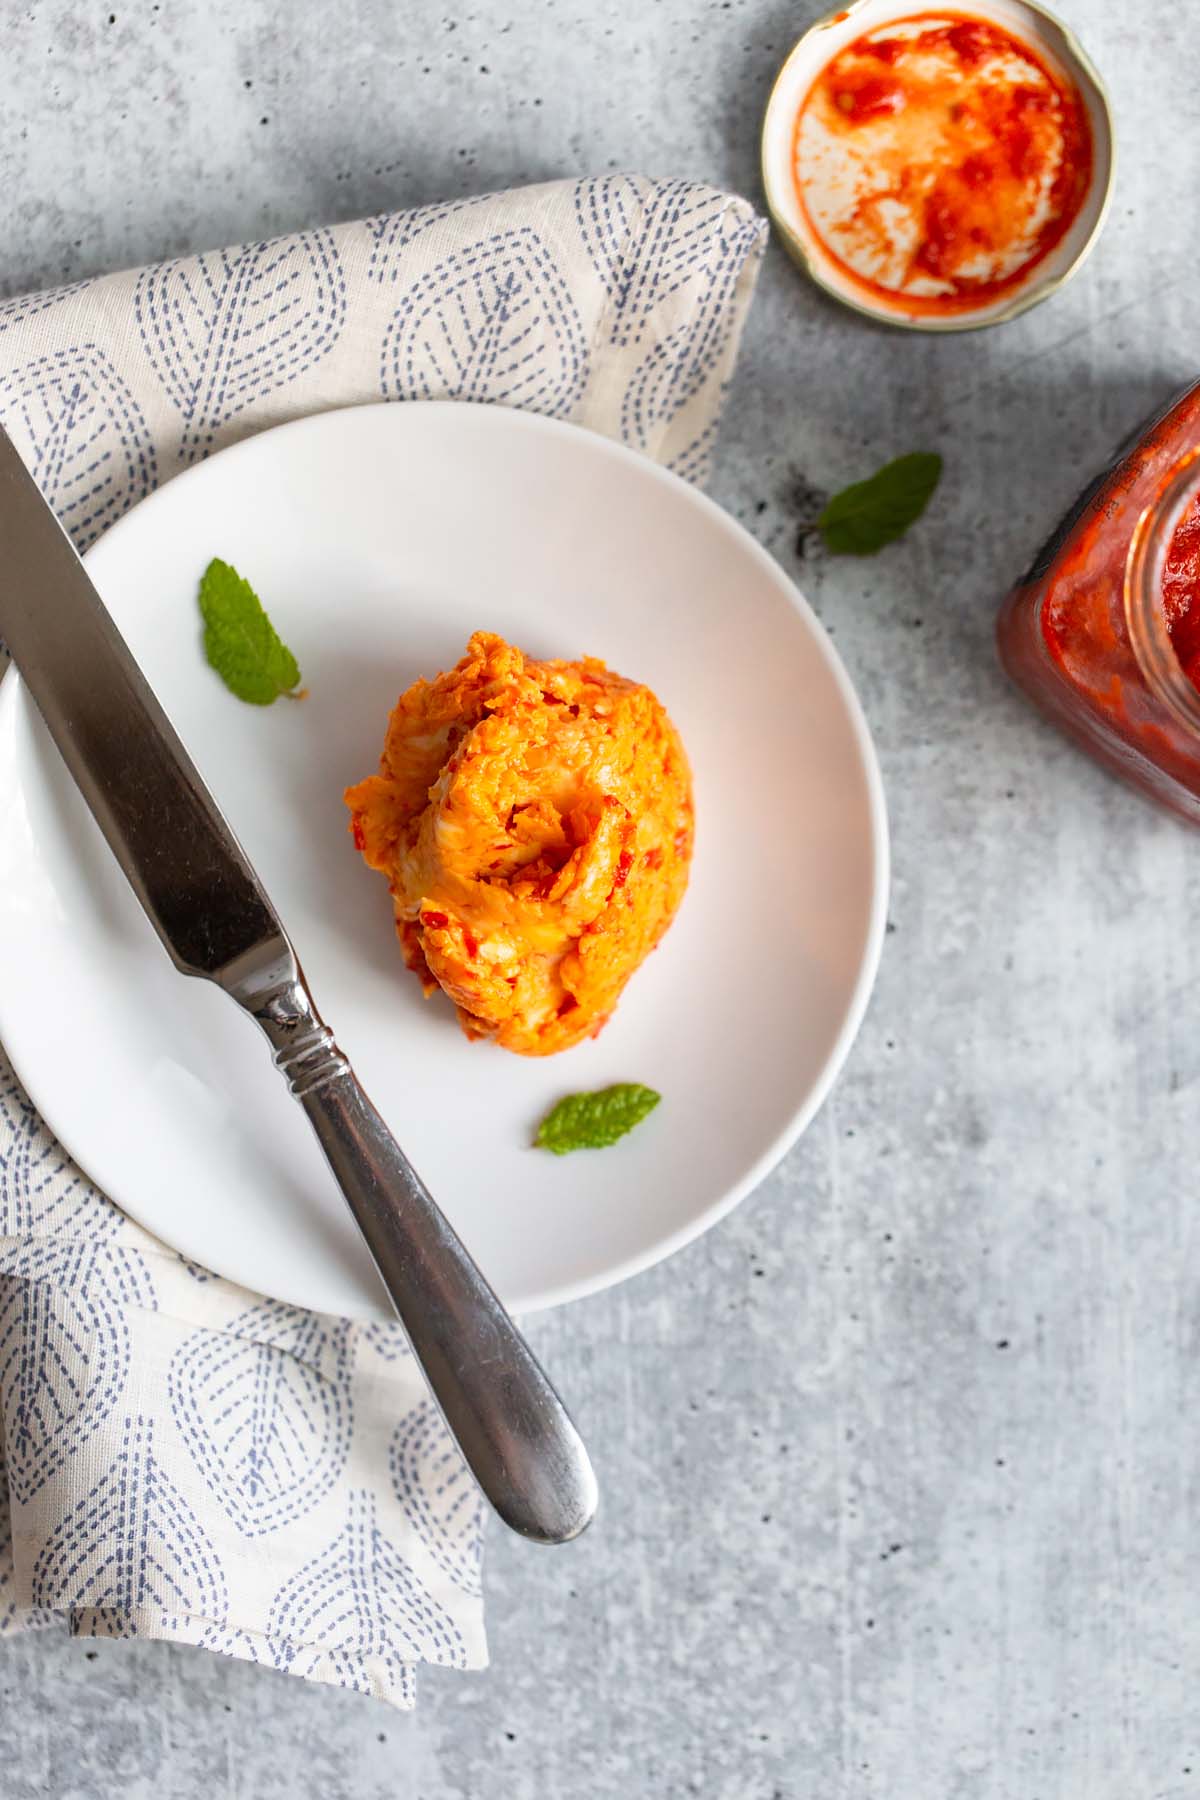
{"type": "Point", "coordinates": [1145, 566]}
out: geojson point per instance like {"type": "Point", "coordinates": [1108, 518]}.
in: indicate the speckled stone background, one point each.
{"type": "Point", "coordinates": [901, 1463]}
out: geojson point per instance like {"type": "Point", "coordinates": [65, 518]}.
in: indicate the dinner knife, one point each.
{"type": "Point", "coordinates": [206, 903]}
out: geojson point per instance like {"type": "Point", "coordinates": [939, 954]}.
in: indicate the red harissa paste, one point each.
{"type": "Point", "coordinates": [1065, 632]}
{"type": "Point", "coordinates": [1181, 592]}
{"type": "Point", "coordinates": [939, 159]}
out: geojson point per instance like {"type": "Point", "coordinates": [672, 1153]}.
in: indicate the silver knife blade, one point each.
{"type": "Point", "coordinates": [163, 826]}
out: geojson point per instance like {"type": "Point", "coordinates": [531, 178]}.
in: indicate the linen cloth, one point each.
{"type": "Point", "coordinates": [179, 1458]}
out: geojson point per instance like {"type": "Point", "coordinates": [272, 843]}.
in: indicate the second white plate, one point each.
{"type": "Point", "coordinates": [379, 538]}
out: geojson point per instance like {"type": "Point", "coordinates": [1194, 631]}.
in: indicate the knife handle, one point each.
{"type": "Point", "coordinates": [509, 1422]}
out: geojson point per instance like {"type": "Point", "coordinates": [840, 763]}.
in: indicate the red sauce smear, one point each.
{"type": "Point", "coordinates": [985, 165]}
{"type": "Point", "coordinates": [1181, 592]}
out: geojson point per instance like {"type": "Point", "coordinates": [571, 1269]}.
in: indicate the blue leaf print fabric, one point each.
{"type": "Point", "coordinates": [671, 262]}
{"type": "Point", "coordinates": [436, 1492]}
{"type": "Point", "coordinates": [493, 321]}
{"type": "Point", "coordinates": [225, 331]}
{"type": "Point", "coordinates": [15, 1618]}
{"type": "Point", "coordinates": [266, 1412]}
{"type": "Point", "coordinates": [131, 1548]}
{"type": "Point", "coordinates": [393, 233]}
{"type": "Point", "coordinates": [84, 436]}
{"type": "Point", "coordinates": [363, 1603]}
{"type": "Point", "coordinates": [180, 1459]}
{"type": "Point", "coordinates": [64, 1353]}
{"type": "Point", "coordinates": [12, 312]}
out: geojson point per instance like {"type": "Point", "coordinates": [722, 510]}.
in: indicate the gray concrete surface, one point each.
{"type": "Point", "coordinates": [901, 1465]}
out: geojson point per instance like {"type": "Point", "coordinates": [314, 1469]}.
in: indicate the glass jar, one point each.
{"type": "Point", "coordinates": [1087, 632]}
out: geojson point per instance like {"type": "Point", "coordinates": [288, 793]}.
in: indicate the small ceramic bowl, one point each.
{"type": "Point", "coordinates": [1054, 44]}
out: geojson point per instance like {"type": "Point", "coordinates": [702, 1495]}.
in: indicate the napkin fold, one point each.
{"type": "Point", "coordinates": [179, 1458]}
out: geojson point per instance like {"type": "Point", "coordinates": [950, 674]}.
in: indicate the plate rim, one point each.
{"type": "Point", "coordinates": [14, 695]}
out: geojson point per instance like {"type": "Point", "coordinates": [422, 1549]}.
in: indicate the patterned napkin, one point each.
{"type": "Point", "coordinates": [180, 1458]}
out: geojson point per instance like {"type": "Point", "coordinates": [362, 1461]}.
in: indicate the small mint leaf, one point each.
{"type": "Point", "coordinates": [869, 514]}
{"type": "Point", "coordinates": [593, 1121]}
{"type": "Point", "coordinates": [240, 642]}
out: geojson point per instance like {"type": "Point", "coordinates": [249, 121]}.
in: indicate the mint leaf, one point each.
{"type": "Point", "coordinates": [869, 514]}
{"type": "Point", "coordinates": [240, 642]}
{"type": "Point", "coordinates": [593, 1121]}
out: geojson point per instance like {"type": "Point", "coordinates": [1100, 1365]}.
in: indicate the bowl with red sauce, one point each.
{"type": "Point", "coordinates": [938, 169]}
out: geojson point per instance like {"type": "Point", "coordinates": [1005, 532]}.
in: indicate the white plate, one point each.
{"type": "Point", "coordinates": [379, 538]}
